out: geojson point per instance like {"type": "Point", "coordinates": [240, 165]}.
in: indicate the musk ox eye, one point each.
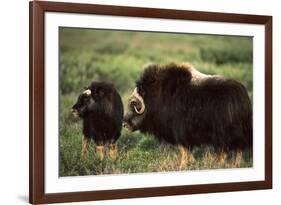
{"type": "Point", "coordinates": [134, 103]}
{"type": "Point", "coordinates": [135, 106]}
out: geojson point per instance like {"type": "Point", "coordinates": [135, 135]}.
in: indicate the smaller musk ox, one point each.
{"type": "Point", "coordinates": [181, 106]}
{"type": "Point", "coordinates": [101, 110]}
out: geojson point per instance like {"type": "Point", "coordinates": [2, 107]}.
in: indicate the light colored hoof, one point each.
{"type": "Point", "coordinates": [191, 159]}
{"type": "Point", "coordinates": [100, 152]}
{"type": "Point", "coordinates": [113, 151]}
{"type": "Point", "coordinates": [183, 165]}
{"type": "Point", "coordinates": [185, 158]}
{"type": "Point", "coordinates": [221, 158]}
{"type": "Point", "coordinates": [238, 159]}
{"type": "Point", "coordinates": [85, 148]}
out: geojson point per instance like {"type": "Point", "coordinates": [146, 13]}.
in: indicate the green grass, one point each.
{"type": "Point", "coordinates": [119, 57]}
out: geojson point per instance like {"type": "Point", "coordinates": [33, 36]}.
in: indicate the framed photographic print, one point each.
{"type": "Point", "coordinates": [139, 102]}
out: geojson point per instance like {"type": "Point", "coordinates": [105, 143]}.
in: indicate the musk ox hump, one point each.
{"type": "Point", "coordinates": [196, 75]}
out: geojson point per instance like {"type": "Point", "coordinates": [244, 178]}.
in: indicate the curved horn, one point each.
{"type": "Point", "coordinates": [136, 95]}
{"type": "Point", "coordinates": [87, 92]}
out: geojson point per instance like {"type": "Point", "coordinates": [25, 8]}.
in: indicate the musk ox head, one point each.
{"type": "Point", "coordinates": [136, 111]}
{"type": "Point", "coordinates": [93, 99]}
{"type": "Point", "coordinates": [85, 102]}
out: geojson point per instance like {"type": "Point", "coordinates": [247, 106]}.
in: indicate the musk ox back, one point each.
{"type": "Point", "coordinates": [181, 106]}
{"type": "Point", "coordinates": [101, 110]}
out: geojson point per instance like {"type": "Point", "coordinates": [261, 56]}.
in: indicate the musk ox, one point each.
{"type": "Point", "coordinates": [101, 110]}
{"type": "Point", "coordinates": [181, 106]}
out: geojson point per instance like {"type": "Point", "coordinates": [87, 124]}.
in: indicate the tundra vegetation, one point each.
{"type": "Point", "coordinates": [119, 57]}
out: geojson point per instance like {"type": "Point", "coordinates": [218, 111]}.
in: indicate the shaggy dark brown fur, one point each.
{"type": "Point", "coordinates": [101, 110]}
{"type": "Point", "coordinates": [185, 107]}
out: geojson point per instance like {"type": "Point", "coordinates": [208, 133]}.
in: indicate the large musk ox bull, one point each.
{"type": "Point", "coordinates": [181, 106]}
{"type": "Point", "coordinates": [101, 110]}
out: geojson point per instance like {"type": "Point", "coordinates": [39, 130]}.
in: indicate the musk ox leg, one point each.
{"type": "Point", "coordinates": [238, 158]}
{"type": "Point", "coordinates": [85, 147]}
{"type": "Point", "coordinates": [100, 151]}
{"type": "Point", "coordinates": [221, 158]}
{"type": "Point", "coordinates": [185, 157]}
{"type": "Point", "coordinates": [113, 151]}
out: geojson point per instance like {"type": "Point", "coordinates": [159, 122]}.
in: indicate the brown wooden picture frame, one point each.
{"type": "Point", "coordinates": [37, 96]}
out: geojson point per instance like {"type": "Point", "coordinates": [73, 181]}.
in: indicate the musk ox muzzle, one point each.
{"type": "Point", "coordinates": [127, 123]}
{"type": "Point", "coordinates": [74, 112]}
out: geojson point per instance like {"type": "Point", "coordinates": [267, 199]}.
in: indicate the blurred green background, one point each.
{"type": "Point", "coordinates": [119, 57]}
